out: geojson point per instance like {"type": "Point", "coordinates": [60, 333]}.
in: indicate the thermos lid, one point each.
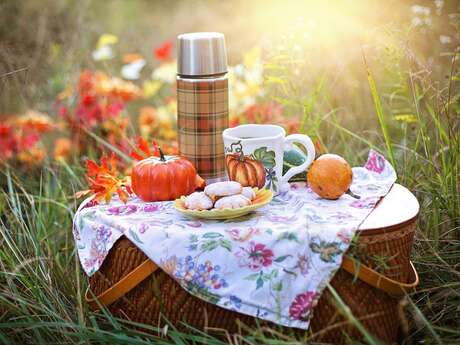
{"type": "Point", "coordinates": [201, 54]}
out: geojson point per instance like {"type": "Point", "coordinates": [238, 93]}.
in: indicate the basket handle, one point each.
{"type": "Point", "coordinates": [141, 272]}
{"type": "Point", "coordinates": [122, 287]}
{"type": "Point", "coordinates": [379, 281]}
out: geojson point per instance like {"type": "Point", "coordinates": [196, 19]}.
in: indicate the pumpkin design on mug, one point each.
{"type": "Point", "coordinates": [245, 170]}
{"type": "Point", "coordinates": [248, 170]}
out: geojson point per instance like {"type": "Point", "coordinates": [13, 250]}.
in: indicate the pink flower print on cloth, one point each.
{"type": "Point", "coordinates": [123, 210]}
{"type": "Point", "coordinates": [302, 305]}
{"type": "Point", "coordinates": [375, 162]}
{"type": "Point", "coordinates": [255, 257]}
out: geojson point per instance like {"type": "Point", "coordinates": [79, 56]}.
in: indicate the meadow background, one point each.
{"type": "Point", "coordinates": [83, 78]}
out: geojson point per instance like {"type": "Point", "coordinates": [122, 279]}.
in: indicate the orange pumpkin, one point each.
{"type": "Point", "coordinates": [164, 178]}
{"type": "Point", "coordinates": [245, 170]}
{"type": "Point", "coordinates": [330, 176]}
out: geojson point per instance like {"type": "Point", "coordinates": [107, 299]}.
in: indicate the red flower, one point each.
{"type": "Point", "coordinates": [7, 141]}
{"type": "Point", "coordinates": [88, 100]}
{"type": "Point", "coordinates": [19, 140]}
{"type": "Point", "coordinates": [114, 108]}
{"type": "Point", "coordinates": [27, 141]}
{"type": "Point", "coordinates": [302, 305]}
{"type": "Point", "coordinates": [63, 111]}
{"type": "Point", "coordinates": [163, 52]}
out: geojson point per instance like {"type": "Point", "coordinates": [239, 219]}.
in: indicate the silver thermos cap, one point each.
{"type": "Point", "coordinates": [201, 54]}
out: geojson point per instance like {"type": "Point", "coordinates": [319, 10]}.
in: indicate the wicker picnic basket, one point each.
{"type": "Point", "coordinates": [133, 287]}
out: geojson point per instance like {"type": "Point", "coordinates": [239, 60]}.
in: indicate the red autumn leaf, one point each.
{"type": "Point", "coordinates": [104, 180]}
{"type": "Point", "coordinates": [163, 52]}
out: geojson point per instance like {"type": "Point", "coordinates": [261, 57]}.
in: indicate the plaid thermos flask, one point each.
{"type": "Point", "coordinates": [202, 102]}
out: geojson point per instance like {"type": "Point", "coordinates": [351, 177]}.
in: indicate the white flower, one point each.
{"type": "Point", "coordinates": [255, 75]}
{"type": "Point", "coordinates": [132, 70]}
{"type": "Point", "coordinates": [439, 3]}
{"type": "Point", "coordinates": [238, 70]}
{"type": "Point", "coordinates": [445, 39]}
{"type": "Point", "coordinates": [417, 9]}
{"type": "Point", "coordinates": [166, 72]}
{"type": "Point", "coordinates": [240, 87]}
{"type": "Point", "coordinates": [103, 53]}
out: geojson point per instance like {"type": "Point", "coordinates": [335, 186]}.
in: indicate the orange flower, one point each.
{"type": "Point", "coordinates": [62, 149]}
{"type": "Point", "coordinates": [116, 126]}
{"type": "Point", "coordinates": [98, 83]}
{"type": "Point", "coordinates": [147, 120]}
{"type": "Point", "coordinates": [35, 121]}
{"type": "Point", "coordinates": [104, 181]}
{"type": "Point", "coordinates": [32, 157]}
{"type": "Point", "coordinates": [163, 52]}
{"type": "Point", "coordinates": [116, 88]}
{"type": "Point", "coordinates": [143, 150]}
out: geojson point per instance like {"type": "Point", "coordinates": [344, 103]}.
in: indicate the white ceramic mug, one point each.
{"type": "Point", "coordinates": [254, 155]}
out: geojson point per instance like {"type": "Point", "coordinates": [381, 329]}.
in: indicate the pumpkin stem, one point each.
{"type": "Point", "coordinates": [241, 158]}
{"type": "Point", "coordinates": [162, 155]}
{"type": "Point", "coordinates": [353, 195]}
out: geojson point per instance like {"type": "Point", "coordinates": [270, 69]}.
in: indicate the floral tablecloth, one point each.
{"type": "Point", "coordinates": [272, 264]}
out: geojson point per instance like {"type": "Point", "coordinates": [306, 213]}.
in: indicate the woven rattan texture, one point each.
{"type": "Point", "coordinates": [161, 295]}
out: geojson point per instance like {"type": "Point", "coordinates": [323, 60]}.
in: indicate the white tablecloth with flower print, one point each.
{"type": "Point", "coordinates": [272, 264]}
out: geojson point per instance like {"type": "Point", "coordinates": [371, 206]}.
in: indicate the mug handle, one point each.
{"type": "Point", "coordinates": [306, 142]}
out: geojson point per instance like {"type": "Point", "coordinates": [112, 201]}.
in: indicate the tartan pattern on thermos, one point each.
{"type": "Point", "coordinates": [202, 115]}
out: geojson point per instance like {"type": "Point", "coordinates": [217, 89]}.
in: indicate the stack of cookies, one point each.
{"type": "Point", "coordinates": [221, 195]}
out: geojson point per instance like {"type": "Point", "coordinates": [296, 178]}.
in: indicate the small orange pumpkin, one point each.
{"type": "Point", "coordinates": [245, 170]}
{"type": "Point", "coordinates": [164, 178]}
{"type": "Point", "coordinates": [330, 176]}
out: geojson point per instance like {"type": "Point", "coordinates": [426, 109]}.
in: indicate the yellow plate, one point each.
{"type": "Point", "coordinates": [263, 197]}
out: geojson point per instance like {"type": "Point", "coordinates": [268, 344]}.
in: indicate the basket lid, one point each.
{"type": "Point", "coordinates": [397, 207]}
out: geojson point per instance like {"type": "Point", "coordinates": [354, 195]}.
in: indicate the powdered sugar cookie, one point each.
{"type": "Point", "coordinates": [226, 188]}
{"type": "Point", "coordinates": [249, 193]}
{"type": "Point", "coordinates": [198, 201]}
{"type": "Point", "coordinates": [232, 201]}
